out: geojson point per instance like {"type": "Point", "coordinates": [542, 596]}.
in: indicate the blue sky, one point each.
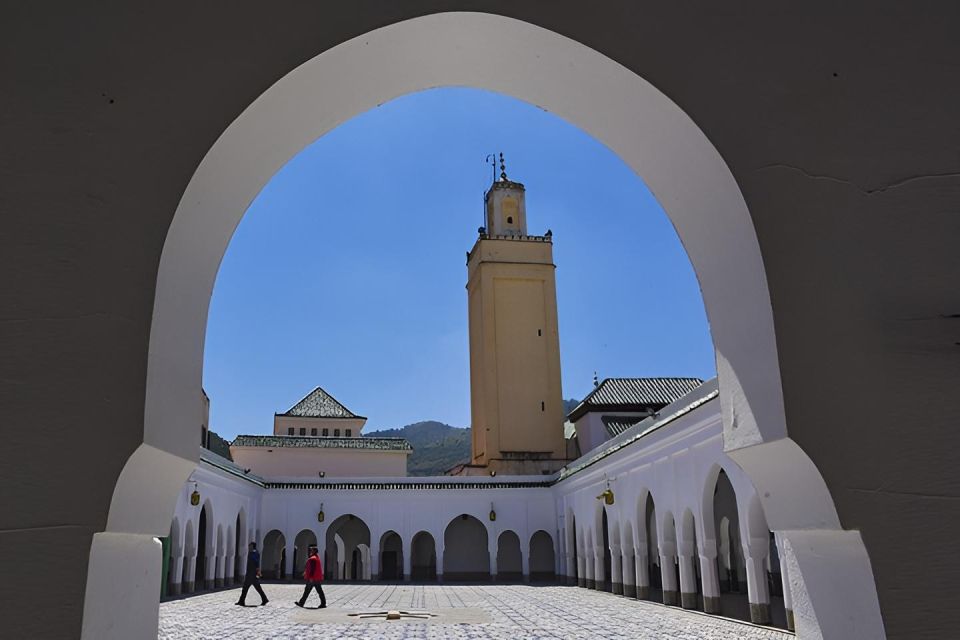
{"type": "Point", "coordinates": [348, 269]}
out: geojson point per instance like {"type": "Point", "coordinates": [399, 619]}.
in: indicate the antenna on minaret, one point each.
{"type": "Point", "coordinates": [503, 168]}
{"type": "Point", "coordinates": [491, 159]}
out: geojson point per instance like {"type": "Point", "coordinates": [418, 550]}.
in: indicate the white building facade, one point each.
{"type": "Point", "coordinates": [658, 512]}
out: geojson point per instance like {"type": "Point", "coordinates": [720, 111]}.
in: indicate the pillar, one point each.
{"type": "Point", "coordinates": [616, 570]}
{"type": "Point", "coordinates": [589, 567]}
{"type": "Point", "coordinates": [241, 566]}
{"type": "Point", "coordinates": [407, 564]}
{"type": "Point", "coordinates": [525, 563]}
{"type": "Point", "coordinates": [438, 546]}
{"type": "Point", "coordinates": [190, 570]}
{"type": "Point", "coordinates": [581, 571]}
{"type": "Point", "coordinates": [785, 577]}
{"type": "Point", "coordinates": [220, 570]}
{"type": "Point", "coordinates": [599, 579]}
{"type": "Point", "coordinates": [229, 565]}
{"type": "Point", "coordinates": [571, 570]}
{"type": "Point", "coordinates": [210, 568]}
{"type": "Point", "coordinates": [668, 578]}
{"type": "Point", "coordinates": [374, 572]}
{"type": "Point", "coordinates": [710, 577]}
{"type": "Point", "coordinates": [628, 570]}
{"type": "Point", "coordinates": [641, 562]}
{"type": "Point", "coordinates": [176, 572]}
{"type": "Point", "coordinates": [688, 581]}
{"type": "Point", "coordinates": [288, 562]}
{"type": "Point", "coordinates": [755, 556]}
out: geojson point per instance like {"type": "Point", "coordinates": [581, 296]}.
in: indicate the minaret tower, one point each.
{"type": "Point", "coordinates": [515, 393]}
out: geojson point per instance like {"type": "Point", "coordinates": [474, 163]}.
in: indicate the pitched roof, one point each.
{"type": "Point", "coordinates": [380, 444]}
{"type": "Point", "coordinates": [319, 404]}
{"type": "Point", "coordinates": [618, 424]}
{"type": "Point", "coordinates": [631, 394]}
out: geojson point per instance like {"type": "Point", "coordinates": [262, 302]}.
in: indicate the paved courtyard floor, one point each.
{"type": "Point", "coordinates": [477, 612]}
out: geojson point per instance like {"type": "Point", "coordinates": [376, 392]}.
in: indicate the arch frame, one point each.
{"type": "Point", "coordinates": [580, 85]}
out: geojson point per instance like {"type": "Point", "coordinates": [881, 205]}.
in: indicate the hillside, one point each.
{"type": "Point", "coordinates": [436, 446]}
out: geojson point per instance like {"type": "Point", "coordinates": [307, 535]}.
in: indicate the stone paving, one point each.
{"type": "Point", "coordinates": [518, 612]}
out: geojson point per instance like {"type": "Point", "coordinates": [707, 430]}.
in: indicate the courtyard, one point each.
{"type": "Point", "coordinates": [461, 611]}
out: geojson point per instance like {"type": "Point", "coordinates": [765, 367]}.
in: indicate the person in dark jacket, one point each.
{"type": "Point", "coordinates": [253, 576]}
{"type": "Point", "coordinates": [313, 574]}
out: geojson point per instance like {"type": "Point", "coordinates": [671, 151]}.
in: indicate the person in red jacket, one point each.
{"type": "Point", "coordinates": [313, 574]}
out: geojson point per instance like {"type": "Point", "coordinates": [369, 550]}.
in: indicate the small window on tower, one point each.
{"type": "Point", "coordinates": [313, 431]}
{"type": "Point", "coordinates": [349, 433]}
{"type": "Point", "coordinates": [509, 219]}
{"type": "Point", "coordinates": [326, 432]}
{"type": "Point", "coordinates": [303, 431]}
{"type": "Point", "coordinates": [336, 433]}
{"type": "Point", "coordinates": [290, 431]}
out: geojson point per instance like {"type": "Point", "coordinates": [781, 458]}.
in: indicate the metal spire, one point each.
{"type": "Point", "coordinates": [503, 168]}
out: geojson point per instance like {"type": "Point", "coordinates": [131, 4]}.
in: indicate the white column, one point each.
{"type": "Point", "coordinates": [588, 566]}
{"type": "Point", "coordinates": [176, 572]}
{"type": "Point", "coordinates": [438, 542]}
{"type": "Point", "coordinates": [668, 578]}
{"type": "Point", "coordinates": [288, 561]}
{"type": "Point", "coordinates": [571, 570]}
{"type": "Point", "coordinates": [641, 562]}
{"type": "Point", "coordinates": [210, 568]}
{"type": "Point", "coordinates": [785, 578]}
{"type": "Point", "coordinates": [407, 563]}
{"type": "Point", "coordinates": [373, 573]}
{"type": "Point", "coordinates": [598, 576]}
{"type": "Point", "coordinates": [755, 556]}
{"type": "Point", "coordinates": [220, 571]}
{"type": "Point", "coordinates": [616, 570]}
{"type": "Point", "coordinates": [629, 571]}
{"type": "Point", "coordinates": [525, 563]}
{"type": "Point", "coordinates": [190, 571]}
{"type": "Point", "coordinates": [709, 576]}
{"type": "Point", "coordinates": [493, 563]}
{"type": "Point", "coordinates": [229, 563]}
{"type": "Point", "coordinates": [242, 565]}
{"type": "Point", "coordinates": [688, 581]}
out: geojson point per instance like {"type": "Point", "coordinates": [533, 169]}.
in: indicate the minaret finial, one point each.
{"type": "Point", "coordinates": [503, 168]}
{"type": "Point", "coordinates": [596, 382]}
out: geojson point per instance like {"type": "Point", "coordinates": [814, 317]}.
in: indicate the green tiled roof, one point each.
{"type": "Point", "coordinates": [308, 442]}
{"type": "Point", "coordinates": [319, 404]}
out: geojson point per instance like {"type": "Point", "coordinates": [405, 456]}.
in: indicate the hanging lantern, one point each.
{"type": "Point", "coordinates": [493, 514]}
{"type": "Point", "coordinates": [195, 496]}
{"type": "Point", "coordinates": [320, 515]}
{"type": "Point", "coordinates": [607, 496]}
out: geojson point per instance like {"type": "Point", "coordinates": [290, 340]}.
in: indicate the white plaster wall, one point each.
{"type": "Point", "coordinates": [308, 462]}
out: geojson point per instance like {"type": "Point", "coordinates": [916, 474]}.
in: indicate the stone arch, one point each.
{"type": "Point", "coordinates": [423, 556]}
{"type": "Point", "coordinates": [272, 554]}
{"type": "Point", "coordinates": [391, 556]}
{"type": "Point", "coordinates": [509, 556]}
{"type": "Point", "coordinates": [664, 146]}
{"type": "Point", "coordinates": [465, 549]}
{"type": "Point", "coordinates": [542, 557]}
{"type": "Point", "coordinates": [305, 539]}
{"type": "Point", "coordinates": [352, 532]}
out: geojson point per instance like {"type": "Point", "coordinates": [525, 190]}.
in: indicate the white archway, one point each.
{"type": "Point", "coordinates": [609, 102]}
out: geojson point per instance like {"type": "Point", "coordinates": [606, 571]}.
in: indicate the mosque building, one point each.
{"type": "Point", "coordinates": [631, 493]}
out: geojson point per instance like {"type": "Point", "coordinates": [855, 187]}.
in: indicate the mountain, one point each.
{"type": "Point", "coordinates": [436, 446]}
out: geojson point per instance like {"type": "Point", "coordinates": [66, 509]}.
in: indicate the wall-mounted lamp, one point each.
{"type": "Point", "coordinates": [606, 495]}
{"type": "Point", "coordinates": [493, 513]}
{"type": "Point", "coordinates": [320, 515]}
{"type": "Point", "coordinates": [493, 472]}
{"type": "Point", "coordinates": [195, 496]}
{"type": "Point", "coordinates": [322, 474]}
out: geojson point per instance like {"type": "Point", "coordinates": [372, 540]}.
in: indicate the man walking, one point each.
{"type": "Point", "coordinates": [252, 577]}
{"type": "Point", "coordinates": [313, 574]}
